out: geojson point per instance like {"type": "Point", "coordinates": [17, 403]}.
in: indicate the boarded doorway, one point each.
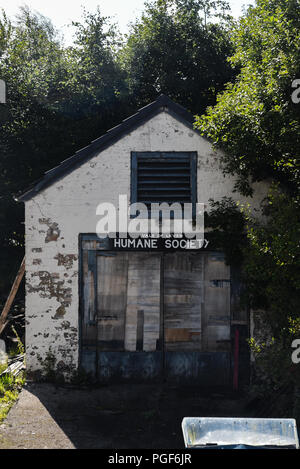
{"type": "Point", "coordinates": [151, 316]}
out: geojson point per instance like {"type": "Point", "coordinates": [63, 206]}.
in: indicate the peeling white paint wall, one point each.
{"type": "Point", "coordinates": [56, 216]}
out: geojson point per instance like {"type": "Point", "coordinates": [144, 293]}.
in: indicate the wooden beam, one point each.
{"type": "Point", "coordinates": [11, 296]}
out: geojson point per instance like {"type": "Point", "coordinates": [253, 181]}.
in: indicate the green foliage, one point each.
{"type": "Point", "coordinates": [268, 252]}
{"type": "Point", "coordinates": [49, 369]}
{"type": "Point", "coordinates": [258, 127]}
{"type": "Point", "coordinates": [277, 378]}
{"type": "Point", "coordinates": [273, 357]}
{"type": "Point", "coordinates": [226, 229]}
{"type": "Point", "coordinates": [48, 365]}
{"type": "Point", "coordinates": [172, 50]}
{"type": "Point", "coordinates": [58, 100]}
{"type": "Point", "coordinates": [3, 366]}
{"type": "Point", "coordinates": [272, 278]}
{"type": "Point", "coordinates": [272, 261]}
{"type": "Point", "coordinates": [255, 121]}
{"type": "Point", "coordinates": [20, 345]}
{"type": "Point", "coordinates": [10, 386]}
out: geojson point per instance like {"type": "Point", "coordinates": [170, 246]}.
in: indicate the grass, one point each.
{"type": "Point", "coordinates": [10, 386]}
{"type": "Point", "coordinates": [3, 366]}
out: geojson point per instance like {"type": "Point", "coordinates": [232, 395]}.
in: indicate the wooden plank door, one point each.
{"type": "Point", "coordinates": [149, 315]}
{"type": "Point", "coordinates": [197, 318]}
{"type": "Point", "coordinates": [183, 300]}
{"type": "Point", "coordinates": [111, 300]}
{"type": "Point", "coordinates": [143, 309]}
{"type": "Point", "coordinates": [128, 316]}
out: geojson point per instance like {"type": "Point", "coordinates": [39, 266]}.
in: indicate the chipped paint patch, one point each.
{"type": "Point", "coordinates": [53, 231]}
{"type": "Point", "coordinates": [50, 287]}
{"type": "Point", "coordinates": [60, 312]}
{"type": "Point", "coordinates": [66, 259]}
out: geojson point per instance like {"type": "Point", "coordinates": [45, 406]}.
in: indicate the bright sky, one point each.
{"type": "Point", "coordinates": [62, 12]}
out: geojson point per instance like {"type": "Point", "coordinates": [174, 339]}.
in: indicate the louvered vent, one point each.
{"type": "Point", "coordinates": [164, 177]}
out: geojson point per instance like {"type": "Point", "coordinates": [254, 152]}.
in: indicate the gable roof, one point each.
{"type": "Point", "coordinates": [162, 103]}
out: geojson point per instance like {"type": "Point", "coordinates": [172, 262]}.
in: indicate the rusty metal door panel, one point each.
{"type": "Point", "coordinates": [205, 369]}
{"type": "Point", "coordinates": [130, 367]}
{"type": "Point", "coordinates": [88, 360]}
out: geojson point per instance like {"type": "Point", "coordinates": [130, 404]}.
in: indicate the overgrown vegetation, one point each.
{"type": "Point", "coordinates": [272, 270]}
{"type": "Point", "coordinates": [257, 125]}
{"type": "Point", "coordinates": [10, 387]}
{"type": "Point", "coordinates": [176, 49]}
{"type": "Point", "coordinates": [50, 372]}
{"type": "Point", "coordinates": [225, 221]}
{"type": "Point", "coordinates": [255, 121]}
{"type": "Point", "coordinates": [267, 250]}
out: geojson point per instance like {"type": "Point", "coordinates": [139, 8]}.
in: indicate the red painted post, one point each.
{"type": "Point", "coordinates": [236, 360]}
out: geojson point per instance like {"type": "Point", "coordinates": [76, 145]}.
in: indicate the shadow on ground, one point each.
{"type": "Point", "coordinates": [115, 416]}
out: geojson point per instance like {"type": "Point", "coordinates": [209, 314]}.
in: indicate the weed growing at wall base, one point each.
{"type": "Point", "coordinates": [10, 386]}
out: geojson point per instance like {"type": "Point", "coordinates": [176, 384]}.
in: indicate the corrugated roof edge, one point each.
{"type": "Point", "coordinates": [162, 103]}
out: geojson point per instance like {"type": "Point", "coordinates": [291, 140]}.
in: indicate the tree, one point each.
{"type": "Point", "coordinates": [173, 50]}
{"type": "Point", "coordinates": [29, 54]}
{"type": "Point", "coordinates": [255, 121]}
{"type": "Point", "coordinates": [97, 83]}
{"type": "Point", "coordinates": [257, 125]}
{"type": "Point", "coordinates": [58, 100]}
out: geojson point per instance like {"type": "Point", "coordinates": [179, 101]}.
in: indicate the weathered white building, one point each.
{"type": "Point", "coordinates": [129, 314]}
